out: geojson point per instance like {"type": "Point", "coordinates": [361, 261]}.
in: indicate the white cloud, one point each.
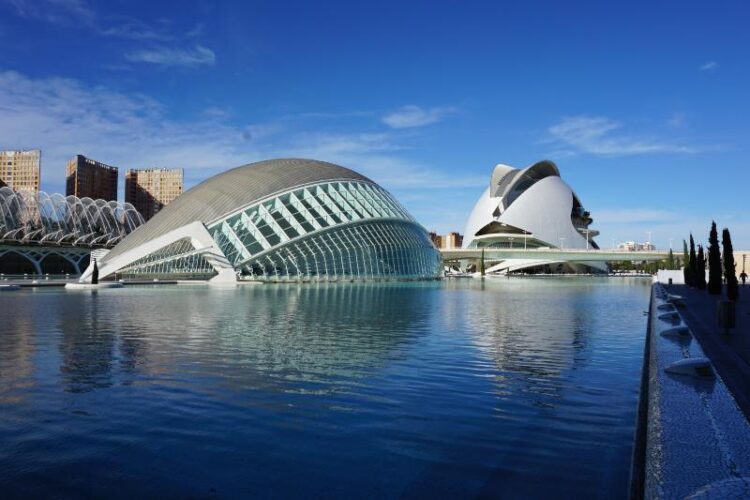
{"type": "Point", "coordinates": [166, 56]}
{"type": "Point", "coordinates": [63, 12]}
{"type": "Point", "coordinates": [77, 13]}
{"type": "Point", "coordinates": [709, 66]}
{"type": "Point", "coordinates": [414, 116]}
{"type": "Point", "coordinates": [64, 117]}
{"type": "Point", "coordinates": [677, 120]}
{"type": "Point", "coordinates": [597, 135]}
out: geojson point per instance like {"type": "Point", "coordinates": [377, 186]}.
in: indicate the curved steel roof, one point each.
{"type": "Point", "coordinates": [226, 192]}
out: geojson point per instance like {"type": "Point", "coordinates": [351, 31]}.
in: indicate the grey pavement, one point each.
{"type": "Point", "coordinates": [729, 353]}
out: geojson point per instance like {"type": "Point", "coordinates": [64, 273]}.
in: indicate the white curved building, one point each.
{"type": "Point", "coordinates": [278, 220]}
{"type": "Point", "coordinates": [530, 208]}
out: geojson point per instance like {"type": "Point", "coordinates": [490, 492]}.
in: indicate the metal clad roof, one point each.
{"type": "Point", "coordinates": [233, 189]}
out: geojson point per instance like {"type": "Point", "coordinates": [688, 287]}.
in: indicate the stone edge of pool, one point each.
{"type": "Point", "coordinates": [691, 436]}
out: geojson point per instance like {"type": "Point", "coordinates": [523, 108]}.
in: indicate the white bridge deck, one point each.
{"type": "Point", "coordinates": [552, 254]}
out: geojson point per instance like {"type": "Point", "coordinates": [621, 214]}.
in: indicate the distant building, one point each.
{"type": "Point", "coordinates": [20, 170]}
{"type": "Point", "coordinates": [149, 190]}
{"type": "Point", "coordinates": [449, 241]}
{"type": "Point", "coordinates": [632, 246]}
{"type": "Point", "coordinates": [437, 240]}
{"type": "Point", "coordinates": [452, 240]}
{"type": "Point", "coordinates": [87, 178]}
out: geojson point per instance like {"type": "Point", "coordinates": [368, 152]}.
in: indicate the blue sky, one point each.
{"type": "Point", "coordinates": [643, 105]}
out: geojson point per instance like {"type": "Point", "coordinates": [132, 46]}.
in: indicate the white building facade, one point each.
{"type": "Point", "coordinates": [531, 208]}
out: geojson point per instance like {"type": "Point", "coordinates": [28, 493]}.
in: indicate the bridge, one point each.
{"type": "Point", "coordinates": [552, 254]}
{"type": "Point", "coordinates": [504, 260]}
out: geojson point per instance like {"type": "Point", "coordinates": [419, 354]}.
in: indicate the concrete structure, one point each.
{"type": "Point", "coordinates": [527, 209]}
{"type": "Point", "coordinates": [452, 240]}
{"type": "Point", "coordinates": [437, 239]}
{"type": "Point", "coordinates": [87, 178]}
{"type": "Point", "coordinates": [693, 440]}
{"type": "Point", "coordinates": [21, 170]}
{"type": "Point", "coordinates": [561, 255]}
{"type": "Point", "coordinates": [449, 241]}
{"type": "Point", "coordinates": [42, 233]}
{"type": "Point", "coordinates": [278, 220]}
{"type": "Point", "coordinates": [149, 190]}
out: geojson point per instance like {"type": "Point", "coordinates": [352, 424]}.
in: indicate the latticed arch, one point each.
{"type": "Point", "coordinates": [39, 217]}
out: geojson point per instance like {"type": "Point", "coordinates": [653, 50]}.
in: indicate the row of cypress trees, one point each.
{"type": "Point", "coordinates": [719, 270]}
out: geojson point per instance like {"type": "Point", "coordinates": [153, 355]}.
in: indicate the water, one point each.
{"type": "Point", "coordinates": [502, 388]}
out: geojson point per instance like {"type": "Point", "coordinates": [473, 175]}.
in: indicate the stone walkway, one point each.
{"type": "Point", "coordinates": [730, 354]}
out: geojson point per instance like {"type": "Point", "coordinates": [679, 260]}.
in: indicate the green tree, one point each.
{"type": "Point", "coordinates": [685, 262]}
{"type": "Point", "coordinates": [714, 262]}
{"type": "Point", "coordinates": [730, 274]}
{"type": "Point", "coordinates": [692, 263]}
{"type": "Point", "coordinates": [670, 261]}
{"type": "Point", "coordinates": [700, 274]}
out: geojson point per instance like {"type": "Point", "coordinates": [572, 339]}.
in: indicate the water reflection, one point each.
{"type": "Point", "coordinates": [87, 346]}
{"type": "Point", "coordinates": [16, 356]}
{"type": "Point", "coordinates": [497, 388]}
{"type": "Point", "coordinates": [307, 338]}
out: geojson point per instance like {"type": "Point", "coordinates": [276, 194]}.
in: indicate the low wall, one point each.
{"type": "Point", "coordinates": [694, 440]}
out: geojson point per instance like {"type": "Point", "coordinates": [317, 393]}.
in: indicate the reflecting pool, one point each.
{"type": "Point", "coordinates": [499, 388]}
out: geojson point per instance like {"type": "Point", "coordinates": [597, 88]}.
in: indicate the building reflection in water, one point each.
{"type": "Point", "coordinates": [87, 344]}
{"type": "Point", "coordinates": [307, 338]}
{"type": "Point", "coordinates": [536, 331]}
{"type": "Point", "coordinates": [17, 351]}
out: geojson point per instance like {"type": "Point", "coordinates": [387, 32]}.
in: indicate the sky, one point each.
{"type": "Point", "coordinates": [643, 106]}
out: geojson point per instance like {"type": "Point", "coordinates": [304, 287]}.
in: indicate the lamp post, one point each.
{"type": "Point", "coordinates": [562, 243]}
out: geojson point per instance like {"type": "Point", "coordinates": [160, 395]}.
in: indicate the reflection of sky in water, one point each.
{"type": "Point", "coordinates": [521, 386]}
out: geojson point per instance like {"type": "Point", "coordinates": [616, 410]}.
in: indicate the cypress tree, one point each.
{"type": "Point", "coordinates": [714, 262]}
{"type": "Point", "coordinates": [670, 260]}
{"type": "Point", "coordinates": [693, 263]}
{"type": "Point", "coordinates": [685, 263]}
{"type": "Point", "coordinates": [730, 275]}
{"type": "Point", "coordinates": [700, 276]}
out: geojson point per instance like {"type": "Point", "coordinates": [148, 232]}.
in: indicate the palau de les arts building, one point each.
{"type": "Point", "coordinates": [531, 208]}
{"type": "Point", "coordinates": [306, 220]}
{"type": "Point", "coordinates": [277, 220]}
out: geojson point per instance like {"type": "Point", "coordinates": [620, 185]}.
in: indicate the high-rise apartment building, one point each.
{"type": "Point", "coordinates": [89, 178]}
{"type": "Point", "coordinates": [149, 190]}
{"type": "Point", "coordinates": [452, 240]}
{"type": "Point", "coordinates": [21, 169]}
{"type": "Point", "coordinates": [437, 240]}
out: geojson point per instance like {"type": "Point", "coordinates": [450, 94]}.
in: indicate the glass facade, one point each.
{"type": "Point", "coordinates": [177, 260]}
{"type": "Point", "coordinates": [330, 231]}
{"type": "Point", "coordinates": [334, 230]}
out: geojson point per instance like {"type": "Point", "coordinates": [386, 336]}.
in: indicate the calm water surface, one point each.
{"type": "Point", "coordinates": [502, 388]}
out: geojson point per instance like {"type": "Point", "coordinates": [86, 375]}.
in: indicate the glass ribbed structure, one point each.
{"type": "Point", "coordinates": [280, 220]}
{"type": "Point", "coordinates": [335, 230]}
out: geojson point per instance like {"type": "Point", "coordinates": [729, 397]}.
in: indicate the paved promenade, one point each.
{"type": "Point", "coordinates": [730, 354]}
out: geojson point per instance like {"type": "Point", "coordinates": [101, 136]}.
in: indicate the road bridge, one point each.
{"type": "Point", "coordinates": [551, 254]}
